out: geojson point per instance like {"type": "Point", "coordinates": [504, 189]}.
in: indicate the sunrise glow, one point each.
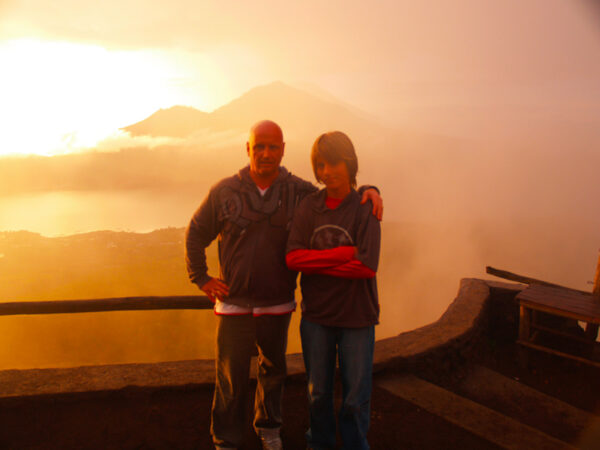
{"type": "Point", "coordinates": [60, 97]}
{"type": "Point", "coordinates": [478, 121]}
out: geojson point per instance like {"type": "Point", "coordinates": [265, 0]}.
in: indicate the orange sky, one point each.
{"type": "Point", "coordinates": [72, 72]}
{"type": "Point", "coordinates": [75, 72]}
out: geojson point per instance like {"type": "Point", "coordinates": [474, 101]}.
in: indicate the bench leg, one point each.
{"type": "Point", "coordinates": [524, 333]}
{"type": "Point", "coordinates": [591, 331]}
{"type": "Point", "coordinates": [523, 357]}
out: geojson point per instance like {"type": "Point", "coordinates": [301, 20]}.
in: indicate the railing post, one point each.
{"type": "Point", "coordinates": [596, 290]}
{"type": "Point", "coordinates": [591, 330]}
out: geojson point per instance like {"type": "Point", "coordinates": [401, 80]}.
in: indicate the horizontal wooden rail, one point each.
{"type": "Point", "coordinates": [526, 280]}
{"type": "Point", "coordinates": [106, 304]}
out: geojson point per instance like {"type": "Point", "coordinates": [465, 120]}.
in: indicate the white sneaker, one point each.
{"type": "Point", "coordinates": [270, 438]}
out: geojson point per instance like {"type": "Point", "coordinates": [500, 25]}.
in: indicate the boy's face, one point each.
{"type": "Point", "coordinates": [334, 175]}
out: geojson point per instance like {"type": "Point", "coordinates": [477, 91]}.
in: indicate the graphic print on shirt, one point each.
{"type": "Point", "coordinates": [240, 207]}
{"type": "Point", "coordinates": [330, 236]}
{"type": "Point", "coordinates": [230, 204]}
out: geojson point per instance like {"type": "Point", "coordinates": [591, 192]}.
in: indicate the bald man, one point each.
{"type": "Point", "coordinates": [251, 213]}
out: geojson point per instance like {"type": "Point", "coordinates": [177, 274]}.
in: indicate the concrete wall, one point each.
{"type": "Point", "coordinates": [479, 306]}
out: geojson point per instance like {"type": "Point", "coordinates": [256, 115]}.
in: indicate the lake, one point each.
{"type": "Point", "coordinates": [65, 213]}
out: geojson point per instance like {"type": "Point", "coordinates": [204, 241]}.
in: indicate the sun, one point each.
{"type": "Point", "coordinates": [62, 97]}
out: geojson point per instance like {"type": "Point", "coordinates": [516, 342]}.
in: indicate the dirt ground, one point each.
{"type": "Point", "coordinates": [178, 418]}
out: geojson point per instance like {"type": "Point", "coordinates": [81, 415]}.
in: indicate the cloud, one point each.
{"type": "Point", "coordinates": [203, 139]}
{"type": "Point", "coordinates": [465, 39]}
{"type": "Point", "coordinates": [400, 60]}
{"type": "Point", "coordinates": [122, 140]}
{"type": "Point", "coordinates": [129, 24]}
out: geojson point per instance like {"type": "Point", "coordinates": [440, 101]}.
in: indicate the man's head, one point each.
{"type": "Point", "coordinates": [265, 149]}
{"type": "Point", "coordinates": [335, 147]}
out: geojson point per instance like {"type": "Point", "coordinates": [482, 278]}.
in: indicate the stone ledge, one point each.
{"type": "Point", "coordinates": [459, 323]}
{"type": "Point", "coordinates": [456, 327]}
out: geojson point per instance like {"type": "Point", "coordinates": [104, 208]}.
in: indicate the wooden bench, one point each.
{"type": "Point", "coordinates": [561, 302]}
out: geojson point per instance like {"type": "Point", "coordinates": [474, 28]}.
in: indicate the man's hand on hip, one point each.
{"type": "Point", "coordinates": [215, 289]}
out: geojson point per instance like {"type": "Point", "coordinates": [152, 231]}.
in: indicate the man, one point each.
{"type": "Point", "coordinates": [251, 214]}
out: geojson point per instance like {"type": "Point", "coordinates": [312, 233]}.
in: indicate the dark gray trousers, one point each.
{"type": "Point", "coordinates": [238, 338]}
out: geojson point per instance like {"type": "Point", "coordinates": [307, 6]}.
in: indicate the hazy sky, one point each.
{"type": "Point", "coordinates": [73, 71]}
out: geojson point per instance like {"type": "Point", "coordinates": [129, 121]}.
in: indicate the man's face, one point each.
{"type": "Point", "coordinates": [265, 149]}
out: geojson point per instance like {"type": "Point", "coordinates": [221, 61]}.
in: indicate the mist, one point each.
{"type": "Point", "coordinates": [511, 193]}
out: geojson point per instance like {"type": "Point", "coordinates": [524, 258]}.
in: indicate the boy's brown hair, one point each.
{"type": "Point", "coordinates": [334, 147]}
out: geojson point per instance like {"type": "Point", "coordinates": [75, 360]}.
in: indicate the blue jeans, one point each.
{"type": "Point", "coordinates": [354, 348]}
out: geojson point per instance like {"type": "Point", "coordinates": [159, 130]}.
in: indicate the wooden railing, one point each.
{"type": "Point", "coordinates": [106, 304]}
{"type": "Point", "coordinates": [528, 280]}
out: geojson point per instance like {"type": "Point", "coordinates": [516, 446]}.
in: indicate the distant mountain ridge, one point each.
{"type": "Point", "coordinates": [294, 109]}
{"type": "Point", "coordinates": [177, 121]}
{"type": "Point", "coordinates": [211, 145]}
{"type": "Point", "coordinates": [429, 175]}
{"type": "Point", "coordinates": [192, 159]}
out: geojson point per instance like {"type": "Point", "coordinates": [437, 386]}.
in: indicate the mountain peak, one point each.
{"type": "Point", "coordinates": [176, 121]}
{"type": "Point", "coordinates": [293, 108]}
